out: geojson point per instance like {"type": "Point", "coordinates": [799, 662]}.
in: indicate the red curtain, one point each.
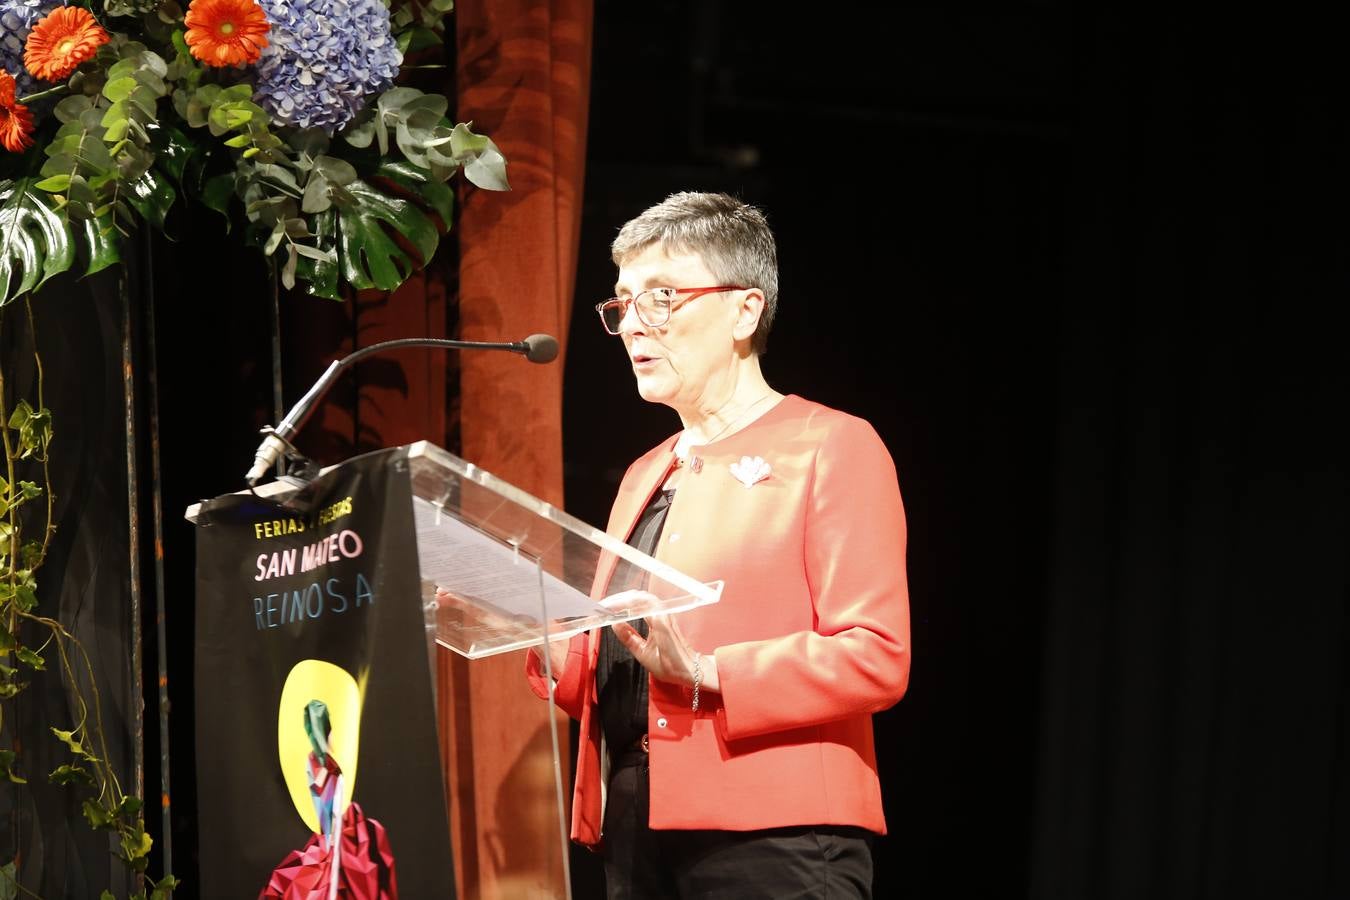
{"type": "Point", "coordinates": [523, 76]}
{"type": "Point", "coordinates": [523, 79]}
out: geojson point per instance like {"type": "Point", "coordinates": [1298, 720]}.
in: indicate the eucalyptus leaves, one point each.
{"type": "Point", "coordinates": [348, 209]}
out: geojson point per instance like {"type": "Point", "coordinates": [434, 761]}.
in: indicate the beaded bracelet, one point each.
{"type": "Point", "coordinates": [698, 677]}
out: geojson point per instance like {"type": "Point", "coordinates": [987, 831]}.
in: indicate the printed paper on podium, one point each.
{"type": "Point", "coordinates": [507, 570]}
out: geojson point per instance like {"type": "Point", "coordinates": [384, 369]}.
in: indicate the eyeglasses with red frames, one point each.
{"type": "Point", "coordinates": [653, 305]}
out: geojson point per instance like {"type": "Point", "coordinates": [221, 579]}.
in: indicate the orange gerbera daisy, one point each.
{"type": "Point", "coordinates": [65, 38]}
{"type": "Point", "coordinates": [226, 32]}
{"type": "Point", "coordinates": [16, 122]}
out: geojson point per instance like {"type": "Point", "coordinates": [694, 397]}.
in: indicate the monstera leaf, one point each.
{"type": "Point", "coordinates": [153, 197]}
{"type": "Point", "coordinates": [37, 241]}
{"type": "Point", "coordinates": [382, 230]}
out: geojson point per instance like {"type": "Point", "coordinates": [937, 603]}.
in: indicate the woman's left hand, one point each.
{"type": "Point", "coordinates": [665, 653]}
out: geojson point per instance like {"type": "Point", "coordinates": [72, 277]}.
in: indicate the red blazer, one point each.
{"type": "Point", "coordinates": [811, 634]}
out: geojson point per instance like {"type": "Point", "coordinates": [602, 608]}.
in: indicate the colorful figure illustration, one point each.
{"type": "Point", "coordinates": [348, 856]}
{"type": "Point", "coordinates": [322, 770]}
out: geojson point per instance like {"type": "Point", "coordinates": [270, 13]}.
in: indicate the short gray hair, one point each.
{"type": "Point", "coordinates": [731, 236]}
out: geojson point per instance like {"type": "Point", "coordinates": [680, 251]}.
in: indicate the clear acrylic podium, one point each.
{"type": "Point", "coordinates": [514, 571]}
{"type": "Point", "coordinates": [511, 571]}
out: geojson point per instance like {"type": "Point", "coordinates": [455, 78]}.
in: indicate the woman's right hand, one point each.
{"type": "Point", "coordinates": [557, 648]}
{"type": "Point", "coordinates": [557, 655]}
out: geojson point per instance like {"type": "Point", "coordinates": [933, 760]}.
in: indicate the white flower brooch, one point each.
{"type": "Point", "coordinates": [750, 472]}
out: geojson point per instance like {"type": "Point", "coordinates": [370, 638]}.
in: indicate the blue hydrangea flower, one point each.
{"type": "Point", "coordinates": [324, 59]}
{"type": "Point", "coordinates": [17, 18]}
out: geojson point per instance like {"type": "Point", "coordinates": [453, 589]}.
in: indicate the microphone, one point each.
{"type": "Point", "coordinates": [537, 348]}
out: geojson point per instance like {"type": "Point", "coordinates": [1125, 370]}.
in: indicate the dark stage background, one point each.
{"type": "Point", "coordinates": [1078, 268]}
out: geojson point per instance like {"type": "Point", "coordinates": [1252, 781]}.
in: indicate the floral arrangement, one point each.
{"type": "Point", "coordinates": [284, 115]}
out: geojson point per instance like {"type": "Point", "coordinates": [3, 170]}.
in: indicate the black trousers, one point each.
{"type": "Point", "coordinates": [775, 864]}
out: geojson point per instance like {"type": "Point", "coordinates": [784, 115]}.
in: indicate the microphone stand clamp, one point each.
{"type": "Point", "coordinates": [299, 470]}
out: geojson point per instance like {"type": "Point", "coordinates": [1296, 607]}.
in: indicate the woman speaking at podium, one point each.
{"type": "Point", "coordinates": [727, 751]}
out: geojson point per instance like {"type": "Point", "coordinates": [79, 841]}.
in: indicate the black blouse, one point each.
{"type": "Point", "coordinates": [620, 682]}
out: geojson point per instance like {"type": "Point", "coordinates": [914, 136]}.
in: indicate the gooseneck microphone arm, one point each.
{"type": "Point", "coordinates": [537, 348]}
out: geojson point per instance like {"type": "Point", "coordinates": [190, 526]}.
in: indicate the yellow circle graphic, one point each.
{"type": "Point", "coordinates": [315, 679]}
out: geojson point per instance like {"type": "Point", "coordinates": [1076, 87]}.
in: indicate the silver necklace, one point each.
{"type": "Point", "coordinates": [682, 457]}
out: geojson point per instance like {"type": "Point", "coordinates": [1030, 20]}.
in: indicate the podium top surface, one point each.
{"type": "Point", "coordinates": [500, 569]}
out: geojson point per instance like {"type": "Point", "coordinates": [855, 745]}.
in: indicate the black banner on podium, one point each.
{"type": "Point", "coordinates": [317, 754]}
